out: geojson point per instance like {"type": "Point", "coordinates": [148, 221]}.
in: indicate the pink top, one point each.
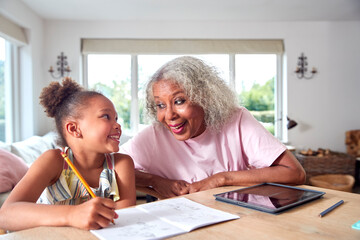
{"type": "Point", "coordinates": [242, 144]}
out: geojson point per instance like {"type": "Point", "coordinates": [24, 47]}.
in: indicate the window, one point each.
{"type": "Point", "coordinates": [114, 81]}
{"type": "Point", "coordinates": [2, 90]}
{"type": "Point", "coordinates": [122, 78]}
{"type": "Point", "coordinates": [8, 102]}
{"type": "Point", "coordinates": [255, 76]}
{"type": "Point", "coordinates": [12, 37]}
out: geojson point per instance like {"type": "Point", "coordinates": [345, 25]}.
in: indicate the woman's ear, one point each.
{"type": "Point", "coordinates": [73, 129]}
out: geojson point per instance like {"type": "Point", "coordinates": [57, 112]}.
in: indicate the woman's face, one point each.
{"type": "Point", "coordinates": [184, 119]}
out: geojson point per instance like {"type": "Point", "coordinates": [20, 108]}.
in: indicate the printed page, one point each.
{"type": "Point", "coordinates": [186, 214]}
{"type": "Point", "coordinates": [135, 224]}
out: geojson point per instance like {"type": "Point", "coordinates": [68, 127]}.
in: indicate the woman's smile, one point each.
{"type": "Point", "coordinates": [178, 128]}
{"type": "Point", "coordinates": [184, 119]}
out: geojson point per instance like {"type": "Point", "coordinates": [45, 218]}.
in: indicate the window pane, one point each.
{"type": "Point", "coordinates": [2, 90]}
{"type": "Point", "coordinates": [219, 61]}
{"type": "Point", "coordinates": [147, 66]}
{"type": "Point", "coordinates": [111, 75]}
{"type": "Point", "coordinates": [255, 76]}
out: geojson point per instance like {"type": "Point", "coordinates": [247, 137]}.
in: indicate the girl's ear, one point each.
{"type": "Point", "coordinates": [73, 129]}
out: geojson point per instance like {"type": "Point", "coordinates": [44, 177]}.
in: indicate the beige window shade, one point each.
{"type": "Point", "coordinates": [178, 46]}
{"type": "Point", "coordinates": [11, 31]}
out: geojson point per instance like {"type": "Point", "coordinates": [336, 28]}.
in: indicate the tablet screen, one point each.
{"type": "Point", "coordinates": [269, 197]}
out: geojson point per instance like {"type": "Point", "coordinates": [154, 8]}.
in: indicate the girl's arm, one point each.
{"type": "Point", "coordinates": [20, 210]}
{"type": "Point", "coordinates": [285, 169]}
{"type": "Point", "coordinates": [125, 178]}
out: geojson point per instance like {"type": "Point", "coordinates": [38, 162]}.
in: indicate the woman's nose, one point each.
{"type": "Point", "coordinates": [170, 113]}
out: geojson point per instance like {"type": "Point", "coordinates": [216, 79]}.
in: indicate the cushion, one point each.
{"type": "Point", "coordinates": [30, 149]}
{"type": "Point", "coordinates": [12, 170]}
{"type": "Point", "coordinates": [5, 146]}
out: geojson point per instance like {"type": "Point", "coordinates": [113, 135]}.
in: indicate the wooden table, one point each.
{"type": "Point", "coordinates": [301, 222]}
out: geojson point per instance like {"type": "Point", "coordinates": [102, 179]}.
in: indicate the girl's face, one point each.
{"type": "Point", "coordinates": [98, 125]}
{"type": "Point", "coordinates": [184, 119]}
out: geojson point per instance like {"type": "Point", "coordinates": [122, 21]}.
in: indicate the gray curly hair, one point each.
{"type": "Point", "coordinates": [201, 84]}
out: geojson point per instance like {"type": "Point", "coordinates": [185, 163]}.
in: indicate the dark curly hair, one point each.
{"type": "Point", "coordinates": [63, 101]}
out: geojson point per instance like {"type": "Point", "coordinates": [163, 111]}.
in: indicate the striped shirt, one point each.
{"type": "Point", "coordinates": [68, 189]}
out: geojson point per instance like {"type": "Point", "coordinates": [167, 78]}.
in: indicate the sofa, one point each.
{"type": "Point", "coordinates": [17, 157]}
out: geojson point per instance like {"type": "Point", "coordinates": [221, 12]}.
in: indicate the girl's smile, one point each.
{"type": "Point", "coordinates": [115, 137]}
{"type": "Point", "coordinates": [99, 125]}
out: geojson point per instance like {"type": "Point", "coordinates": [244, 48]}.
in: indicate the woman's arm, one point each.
{"type": "Point", "coordinates": [20, 210]}
{"type": "Point", "coordinates": [125, 178]}
{"type": "Point", "coordinates": [285, 169]}
{"type": "Point", "coordinates": [164, 187]}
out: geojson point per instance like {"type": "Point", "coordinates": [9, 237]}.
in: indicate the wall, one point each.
{"type": "Point", "coordinates": [325, 106]}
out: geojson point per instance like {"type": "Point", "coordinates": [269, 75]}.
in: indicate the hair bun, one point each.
{"type": "Point", "coordinates": [54, 95]}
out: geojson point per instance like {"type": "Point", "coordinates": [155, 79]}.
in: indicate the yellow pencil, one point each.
{"type": "Point", "coordinates": [86, 185]}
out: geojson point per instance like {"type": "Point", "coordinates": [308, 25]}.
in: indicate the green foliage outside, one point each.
{"type": "Point", "coordinates": [120, 94]}
{"type": "Point", "coordinates": [259, 100]}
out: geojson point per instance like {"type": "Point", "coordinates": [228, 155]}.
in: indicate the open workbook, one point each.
{"type": "Point", "coordinates": [161, 219]}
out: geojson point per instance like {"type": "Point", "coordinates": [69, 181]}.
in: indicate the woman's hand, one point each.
{"type": "Point", "coordinates": [213, 181]}
{"type": "Point", "coordinates": [93, 214]}
{"type": "Point", "coordinates": [285, 169]}
{"type": "Point", "coordinates": [164, 187]}
{"type": "Point", "coordinates": [170, 188]}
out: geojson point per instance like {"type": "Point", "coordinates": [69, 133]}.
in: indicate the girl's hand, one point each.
{"type": "Point", "coordinates": [170, 188]}
{"type": "Point", "coordinates": [93, 214]}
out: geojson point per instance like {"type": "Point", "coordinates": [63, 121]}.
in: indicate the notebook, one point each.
{"type": "Point", "coordinates": [161, 219]}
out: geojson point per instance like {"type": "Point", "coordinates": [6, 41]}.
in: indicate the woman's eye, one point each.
{"type": "Point", "coordinates": [179, 101]}
{"type": "Point", "coordinates": [160, 106]}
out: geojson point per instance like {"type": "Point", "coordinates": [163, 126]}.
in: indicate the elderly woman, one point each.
{"type": "Point", "coordinates": [201, 138]}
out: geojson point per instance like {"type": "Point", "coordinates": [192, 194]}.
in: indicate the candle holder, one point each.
{"type": "Point", "coordinates": [63, 69]}
{"type": "Point", "coordinates": [301, 69]}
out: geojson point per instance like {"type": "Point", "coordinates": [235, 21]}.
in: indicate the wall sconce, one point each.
{"type": "Point", "coordinates": [291, 123]}
{"type": "Point", "coordinates": [301, 69]}
{"type": "Point", "coordinates": [63, 68]}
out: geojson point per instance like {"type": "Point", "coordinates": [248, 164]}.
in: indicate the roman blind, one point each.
{"type": "Point", "coordinates": [181, 46]}
{"type": "Point", "coordinates": [12, 31]}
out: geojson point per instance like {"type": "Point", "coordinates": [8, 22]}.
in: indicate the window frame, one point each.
{"type": "Point", "coordinates": [12, 90]}
{"type": "Point", "coordinates": [15, 37]}
{"type": "Point", "coordinates": [280, 124]}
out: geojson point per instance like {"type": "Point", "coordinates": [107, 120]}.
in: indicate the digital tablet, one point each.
{"type": "Point", "coordinates": [269, 197]}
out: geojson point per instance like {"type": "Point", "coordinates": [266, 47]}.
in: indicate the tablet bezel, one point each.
{"type": "Point", "coordinates": [318, 194]}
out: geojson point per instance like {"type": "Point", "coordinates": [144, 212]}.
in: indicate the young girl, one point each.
{"type": "Point", "coordinates": [87, 126]}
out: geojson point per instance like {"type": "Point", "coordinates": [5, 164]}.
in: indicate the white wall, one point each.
{"type": "Point", "coordinates": [325, 106]}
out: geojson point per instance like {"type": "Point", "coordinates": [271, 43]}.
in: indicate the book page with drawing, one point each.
{"type": "Point", "coordinates": [162, 219]}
